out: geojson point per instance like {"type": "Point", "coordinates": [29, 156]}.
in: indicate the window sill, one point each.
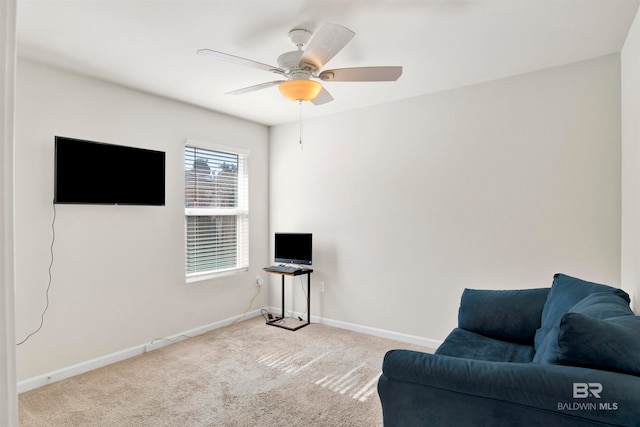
{"type": "Point", "coordinates": [200, 277]}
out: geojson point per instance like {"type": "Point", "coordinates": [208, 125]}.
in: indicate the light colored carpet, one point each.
{"type": "Point", "coordinates": [246, 374]}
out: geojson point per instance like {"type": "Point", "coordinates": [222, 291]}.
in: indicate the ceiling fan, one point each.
{"type": "Point", "coordinates": [302, 67]}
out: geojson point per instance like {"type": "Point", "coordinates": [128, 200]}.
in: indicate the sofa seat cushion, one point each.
{"type": "Point", "coordinates": [566, 292]}
{"type": "Point", "coordinates": [466, 344]}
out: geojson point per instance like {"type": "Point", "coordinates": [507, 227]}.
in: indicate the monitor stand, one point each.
{"type": "Point", "coordinates": [281, 321]}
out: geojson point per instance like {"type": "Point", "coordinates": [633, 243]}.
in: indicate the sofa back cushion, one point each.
{"type": "Point", "coordinates": [508, 315]}
{"type": "Point", "coordinates": [599, 305]}
{"type": "Point", "coordinates": [567, 291]}
{"type": "Point", "coordinates": [611, 344]}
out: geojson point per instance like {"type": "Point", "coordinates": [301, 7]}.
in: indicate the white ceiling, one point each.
{"type": "Point", "coordinates": [151, 45]}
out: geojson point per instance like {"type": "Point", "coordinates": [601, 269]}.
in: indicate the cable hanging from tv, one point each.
{"type": "Point", "coordinates": [53, 239]}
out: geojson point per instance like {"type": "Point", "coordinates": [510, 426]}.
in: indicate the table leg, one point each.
{"type": "Point", "coordinates": [283, 296]}
{"type": "Point", "coordinates": [308, 297]}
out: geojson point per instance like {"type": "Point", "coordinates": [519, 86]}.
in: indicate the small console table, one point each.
{"type": "Point", "coordinates": [277, 321]}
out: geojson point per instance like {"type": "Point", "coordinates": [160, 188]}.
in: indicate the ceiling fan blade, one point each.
{"type": "Point", "coordinates": [255, 87]}
{"type": "Point", "coordinates": [323, 97]}
{"type": "Point", "coordinates": [362, 74]}
{"type": "Point", "coordinates": [240, 61]}
{"type": "Point", "coordinates": [325, 44]}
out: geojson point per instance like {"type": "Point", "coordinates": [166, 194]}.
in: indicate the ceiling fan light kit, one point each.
{"type": "Point", "coordinates": [300, 90]}
{"type": "Point", "coordinates": [302, 65]}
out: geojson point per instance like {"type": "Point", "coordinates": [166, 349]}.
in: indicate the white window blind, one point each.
{"type": "Point", "coordinates": [216, 204]}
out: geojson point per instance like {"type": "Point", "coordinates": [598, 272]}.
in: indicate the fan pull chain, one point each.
{"type": "Point", "coordinates": [300, 141]}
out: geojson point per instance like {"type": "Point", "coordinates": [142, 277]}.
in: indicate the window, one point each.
{"type": "Point", "coordinates": [216, 205]}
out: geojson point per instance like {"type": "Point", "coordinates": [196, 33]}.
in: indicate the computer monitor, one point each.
{"type": "Point", "coordinates": [293, 248]}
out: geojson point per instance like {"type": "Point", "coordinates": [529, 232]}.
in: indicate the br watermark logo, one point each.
{"type": "Point", "coordinates": [587, 391]}
{"type": "Point", "coordinates": [584, 390]}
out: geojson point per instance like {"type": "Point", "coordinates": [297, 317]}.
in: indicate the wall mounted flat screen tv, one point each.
{"type": "Point", "coordinates": [88, 172]}
{"type": "Point", "coordinates": [293, 248]}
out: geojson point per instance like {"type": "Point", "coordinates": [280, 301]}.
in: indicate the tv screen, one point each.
{"type": "Point", "coordinates": [293, 248]}
{"type": "Point", "coordinates": [88, 172]}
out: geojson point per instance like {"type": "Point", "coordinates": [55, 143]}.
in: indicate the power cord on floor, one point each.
{"type": "Point", "coordinates": [53, 239]}
{"type": "Point", "coordinates": [248, 306]}
{"type": "Point", "coordinates": [171, 340]}
{"type": "Point", "coordinates": [269, 317]}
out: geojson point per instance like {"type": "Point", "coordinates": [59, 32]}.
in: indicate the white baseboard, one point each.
{"type": "Point", "coordinates": [383, 333]}
{"type": "Point", "coordinates": [99, 362]}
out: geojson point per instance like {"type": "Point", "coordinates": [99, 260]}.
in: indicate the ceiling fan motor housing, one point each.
{"type": "Point", "coordinates": [290, 62]}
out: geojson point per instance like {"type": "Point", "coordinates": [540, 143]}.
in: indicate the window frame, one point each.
{"type": "Point", "coordinates": [241, 212]}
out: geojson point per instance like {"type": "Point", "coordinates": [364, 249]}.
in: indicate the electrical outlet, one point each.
{"type": "Point", "coordinates": [259, 281]}
{"type": "Point", "coordinates": [321, 283]}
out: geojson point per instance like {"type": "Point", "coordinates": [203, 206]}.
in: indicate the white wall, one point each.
{"type": "Point", "coordinates": [118, 271]}
{"type": "Point", "coordinates": [8, 400]}
{"type": "Point", "coordinates": [630, 82]}
{"type": "Point", "coordinates": [497, 185]}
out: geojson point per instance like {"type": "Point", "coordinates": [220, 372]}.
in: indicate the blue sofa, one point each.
{"type": "Point", "coordinates": [568, 355]}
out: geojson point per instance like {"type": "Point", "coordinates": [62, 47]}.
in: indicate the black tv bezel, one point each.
{"type": "Point", "coordinates": [298, 261]}
{"type": "Point", "coordinates": [112, 201]}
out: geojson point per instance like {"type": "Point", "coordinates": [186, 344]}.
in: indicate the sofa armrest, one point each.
{"type": "Point", "coordinates": [545, 388]}
{"type": "Point", "coordinates": [509, 315]}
